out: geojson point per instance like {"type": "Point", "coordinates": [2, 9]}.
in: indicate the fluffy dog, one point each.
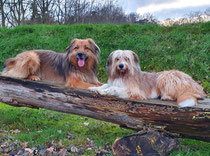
{"type": "Point", "coordinates": [126, 80]}
{"type": "Point", "coordinates": [76, 68]}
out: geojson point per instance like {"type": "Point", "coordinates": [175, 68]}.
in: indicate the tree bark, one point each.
{"type": "Point", "coordinates": [151, 143]}
{"type": "Point", "coordinates": [193, 122]}
{"type": "Point", "coordinates": [3, 18]}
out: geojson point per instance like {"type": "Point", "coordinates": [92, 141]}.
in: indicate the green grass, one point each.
{"type": "Point", "coordinates": [186, 48]}
{"type": "Point", "coordinates": [191, 147]}
{"type": "Point", "coordinates": [38, 126]}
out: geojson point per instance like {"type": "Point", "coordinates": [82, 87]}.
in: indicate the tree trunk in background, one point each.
{"type": "Point", "coordinates": [3, 19]}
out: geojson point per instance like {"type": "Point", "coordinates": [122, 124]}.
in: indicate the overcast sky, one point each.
{"type": "Point", "coordinates": [163, 9]}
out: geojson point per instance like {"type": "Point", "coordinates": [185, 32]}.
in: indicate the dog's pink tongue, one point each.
{"type": "Point", "coordinates": [81, 63]}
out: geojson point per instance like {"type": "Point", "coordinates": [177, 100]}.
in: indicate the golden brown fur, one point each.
{"type": "Point", "coordinates": [126, 80]}
{"type": "Point", "coordinates": [176, 85]}
{"type": "Point", "coordinates": [75, 68]}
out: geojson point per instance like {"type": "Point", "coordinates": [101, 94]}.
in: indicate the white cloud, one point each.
{"type": "Point", "coordinates": [178, 4]}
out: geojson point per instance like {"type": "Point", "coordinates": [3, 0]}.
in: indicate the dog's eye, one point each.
{"type": "Point", "coordinates": [86, 47]}
{"type": "Point", "coordinates": [117, 59]}
{"type": "Point", "coordinates": [76, 47]}
{"type": "Point", "coordinates": [126, 59]}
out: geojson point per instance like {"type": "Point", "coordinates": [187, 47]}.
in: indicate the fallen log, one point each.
{"type": "Point", "coordinates": [193, 122]}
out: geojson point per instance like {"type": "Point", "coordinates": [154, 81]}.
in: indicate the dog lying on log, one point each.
{"type": "Point", "coordinates": [76, 68]}
{"type": "Point", "coordinates": [126, 80]}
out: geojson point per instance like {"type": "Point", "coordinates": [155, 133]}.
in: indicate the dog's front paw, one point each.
{"type": "Point", "coordinates": [103, 91]}
{"type": "Point", "coordinates": [166, 98]}
{"type": "Point", "coordinates": [33, 78]}
{"type": "Point", "coordinates": [137, 97]}
{"type": "Point", "coordinates": [98, 90]}
{"type": "Point", "coordinates": [94, 89]}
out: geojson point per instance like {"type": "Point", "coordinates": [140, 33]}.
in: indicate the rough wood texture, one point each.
{"type": "Point", "coordinates": [144, 144]}
{"type": "Point", "coordinates": [161, 115]}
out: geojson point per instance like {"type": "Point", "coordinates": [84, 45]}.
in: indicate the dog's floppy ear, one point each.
{"type": "Point", "coordinates": [8, 62]}
{"type": "Point", "coordinates": [94, 46]}
{"type": "Point", "coordinates": [71, 44]}
{"type": "Point", "coordinates": [136, 58]}
{"type": "Point", "coordinates": [109, 61]}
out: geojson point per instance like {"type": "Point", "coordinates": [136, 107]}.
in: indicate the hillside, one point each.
{"type": "Point", "coordinates": [185, 48]}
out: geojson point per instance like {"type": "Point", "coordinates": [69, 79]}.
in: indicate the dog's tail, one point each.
{"type": "Point", "coordinates": [23, 65]}
{"type": "Point", "coordinates": [187, 100]}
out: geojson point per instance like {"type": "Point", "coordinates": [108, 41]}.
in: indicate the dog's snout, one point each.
{"type": "Point", "coordinates": [80, 55]}
{"type": "Point", "coordinates": [121, 66]}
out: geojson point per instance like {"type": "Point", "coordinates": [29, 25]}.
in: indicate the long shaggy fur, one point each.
{"type": "Point", "coordinates": [60, 68]}
{"type": "Point", "coordinates": [131, 82]}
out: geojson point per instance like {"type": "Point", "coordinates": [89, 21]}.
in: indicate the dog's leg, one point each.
{"type": "Point", "coordinates": [114, 91]}
{"type": "Point", "coordinates": [166, 97]}
{"type": "Point", "coordinates": [137, 96]}
{"type": "Point", "coordinates": [96, 89]}
{"type": "Point", "coordinates": [33, 77]}
{"type": "Point", "coordinates": [76, 82]}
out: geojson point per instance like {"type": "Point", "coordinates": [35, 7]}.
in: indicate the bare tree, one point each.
{"type": "Point", "coordinates": [35, 15]}
{"type": "Point", "coordinates": [207, 12]}
{"type": "Point", "coordinates": [91, 11]}
{"type": "Point", "coordinates": [60, 11]}
{"type": "Point", "coordinates": [20, 12]}
{"type": "Point", "coordinates": [182, 21]}
{"type": "Point", "coordinates": [17, 11]}
{"type": "Point", "coordinates": [46, 7]}
{"type": "Point", "coordinates": [3, 18]}
{"type": "Point", "coordinates": [147, 18]}
{"type": "Point", "coordinates": [195, 17]}
{"type": "Point", "coordinates": [132, 17]}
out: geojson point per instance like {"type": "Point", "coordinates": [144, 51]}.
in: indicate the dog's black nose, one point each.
{"type": "Point", "coordinates": [80, 55]}
{"type": "Point", "coordinates": [121, 66]}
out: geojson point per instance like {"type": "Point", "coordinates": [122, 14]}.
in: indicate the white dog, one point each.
{"type": "Point", "coordinates": [126, 80]}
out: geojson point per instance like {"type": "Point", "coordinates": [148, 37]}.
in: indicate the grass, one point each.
{"type": "Point", "coordinates": [36, 127]}
{"type": "Point", "coordinates": [185, 48]}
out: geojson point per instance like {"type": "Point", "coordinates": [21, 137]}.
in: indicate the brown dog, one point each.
{"type": "Point", "coordinates": [76, 68]}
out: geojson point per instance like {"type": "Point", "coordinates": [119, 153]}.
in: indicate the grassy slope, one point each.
{"type": "Point", "coordinates": [160, 48]}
